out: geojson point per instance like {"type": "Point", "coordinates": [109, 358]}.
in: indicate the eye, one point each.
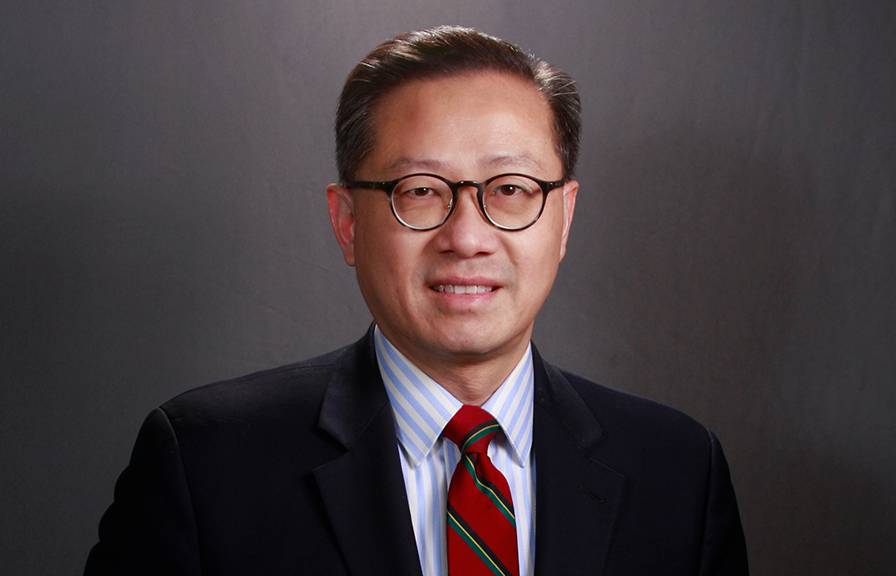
{"type": "Point", "coordinates": [510, 190]}
{"type": "Point", "coordinates": [416, 192]}
{"type": "Point", "coordinates": [420, 192]}
{"type": "Point", "coordinates": [514, 190]}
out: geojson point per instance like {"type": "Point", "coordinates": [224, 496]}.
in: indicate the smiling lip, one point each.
{"type": "Point", "coordinates": [466, 287]}
{"type": "Point", "coordinates": [460, 289]}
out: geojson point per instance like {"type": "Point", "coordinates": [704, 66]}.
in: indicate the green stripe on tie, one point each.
{"type": "Point", "coordinates": [479, 434]}
{"type": "Point", "coordinates": [490, 492]}
{"type": "Point", "coordinates": [474, 545]}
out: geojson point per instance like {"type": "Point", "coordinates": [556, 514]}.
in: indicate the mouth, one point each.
{"type": "Point", "coordinates": [463, 288]}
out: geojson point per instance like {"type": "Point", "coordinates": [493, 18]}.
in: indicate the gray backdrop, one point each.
{"type": "Point", "coordinates": [162, 169]}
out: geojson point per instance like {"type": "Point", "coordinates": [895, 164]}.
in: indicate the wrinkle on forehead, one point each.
{"type": "Point", "coordinates": [508, 162]}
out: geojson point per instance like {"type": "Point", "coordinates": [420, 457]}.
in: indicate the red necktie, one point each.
{"type": "Point", "coordinates": [481, 534]}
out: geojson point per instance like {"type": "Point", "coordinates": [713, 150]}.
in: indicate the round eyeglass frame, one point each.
{"type": "Point", "coordinates": [388, 186]}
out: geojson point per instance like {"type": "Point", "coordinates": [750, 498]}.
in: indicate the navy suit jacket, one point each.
{"type": "Point", "coordinates": [296, 471]}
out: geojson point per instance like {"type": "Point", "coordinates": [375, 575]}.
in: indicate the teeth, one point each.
{"type": "Point", "coordinates": [462, 289]}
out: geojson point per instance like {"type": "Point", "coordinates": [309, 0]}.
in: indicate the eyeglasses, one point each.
{"type": "Point", "coordinates": [425, 201]}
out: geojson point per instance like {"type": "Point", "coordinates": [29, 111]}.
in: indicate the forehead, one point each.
{"type": "Point", "coordinates": [474, 121]}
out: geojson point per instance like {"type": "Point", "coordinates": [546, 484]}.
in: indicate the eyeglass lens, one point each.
{"type": "Point", "coordinates": [510, 201]}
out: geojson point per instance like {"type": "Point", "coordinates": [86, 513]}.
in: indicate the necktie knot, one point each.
{"type": "Point", "coordinates": [471, 429]}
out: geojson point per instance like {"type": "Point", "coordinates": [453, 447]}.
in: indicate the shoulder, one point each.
{"type": "Point", "coordinates": [228, 429]}
{"type": "Point", "coordinates": [269, 397]}
{"type": "Point", "coordinates": [619, 410]}
{"type": "Point", "coordinates": [636, 430]}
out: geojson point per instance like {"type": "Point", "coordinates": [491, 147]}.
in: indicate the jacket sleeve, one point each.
{"type": "Point", "coordinates": [150, 527]}
{"type": "Point", "coordinates": [724, 551]}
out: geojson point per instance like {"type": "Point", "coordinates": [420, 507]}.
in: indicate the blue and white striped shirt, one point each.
{"type": "Point", "coordinates": [422, 408]}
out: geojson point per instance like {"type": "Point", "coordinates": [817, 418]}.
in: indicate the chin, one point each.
{"type": "Point", "coordinates": [471, 342]}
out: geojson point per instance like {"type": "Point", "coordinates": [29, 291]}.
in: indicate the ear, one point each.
{"type": "Point", "coordinates": [341, 207]}
{"type": "Point", "coordinates": [570, 190]}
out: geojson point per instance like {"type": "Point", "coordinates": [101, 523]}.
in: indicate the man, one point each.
{"type": "Point", "coordinates": [440, 442]}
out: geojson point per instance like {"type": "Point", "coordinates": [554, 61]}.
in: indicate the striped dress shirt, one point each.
{"type": "Point", "coordinates": [422, 408]}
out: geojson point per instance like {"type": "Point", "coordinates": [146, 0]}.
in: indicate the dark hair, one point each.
{"type": "Point", "coordinates": [446, 51]}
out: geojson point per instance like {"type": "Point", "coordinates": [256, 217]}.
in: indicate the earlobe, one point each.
{"type": "Point", "coordinates": [340, 205]}
{"type": "Point", "coordinates": [570, 190]}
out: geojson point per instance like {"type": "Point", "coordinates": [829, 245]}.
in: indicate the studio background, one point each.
{"type": "Point", "coordinates": [163, 225]}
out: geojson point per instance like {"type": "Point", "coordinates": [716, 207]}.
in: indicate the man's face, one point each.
{"type": "Point", "coordinates": [467, 127]}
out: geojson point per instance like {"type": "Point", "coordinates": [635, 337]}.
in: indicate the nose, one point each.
{"type": "Point", "coordinates": [466, 233]}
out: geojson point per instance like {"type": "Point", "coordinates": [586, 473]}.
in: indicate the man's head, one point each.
{"type": "Point", "coordinates": [465, 107]}
{"type": "Point", "coordinates": [440, 52]}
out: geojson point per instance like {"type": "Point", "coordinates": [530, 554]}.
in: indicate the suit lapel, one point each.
{"type": "Point", "coordinates": [363, 489]}
{"type": "Point", "coordinates": [577, 497]}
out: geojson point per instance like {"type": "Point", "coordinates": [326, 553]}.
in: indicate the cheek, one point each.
{"type": "Point", "coordinates": [372, 236]}
{"type": "Point", "coordinates": [536, 260]}
{"type": "Point", "coordinates": [388, 257]}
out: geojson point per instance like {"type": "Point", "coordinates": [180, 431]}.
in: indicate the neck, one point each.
{"type": "Point", "coordinates": [471, 384]}
{"type": "Point", "coordinates": [472, 379]}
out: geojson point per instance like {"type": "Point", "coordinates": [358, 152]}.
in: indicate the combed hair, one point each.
{"type": "Point", "coordinates": [439, 52]}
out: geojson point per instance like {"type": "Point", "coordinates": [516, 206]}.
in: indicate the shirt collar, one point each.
{"type": "Point", "coordinates": [422, 407]}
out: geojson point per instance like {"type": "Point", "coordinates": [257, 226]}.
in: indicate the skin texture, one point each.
{"type": "Point", "coordinates": [468, 127]}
